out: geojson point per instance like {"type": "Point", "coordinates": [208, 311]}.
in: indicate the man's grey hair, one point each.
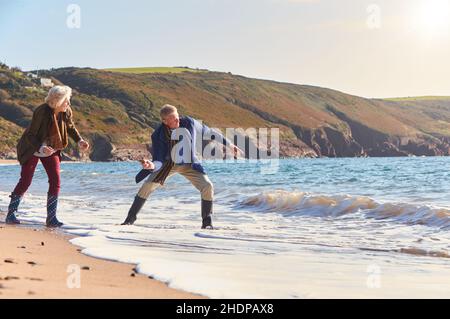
{"type": "Point", "coordinates": [57, 95]}
{"type": "Point", "coordinates": [166, 110]}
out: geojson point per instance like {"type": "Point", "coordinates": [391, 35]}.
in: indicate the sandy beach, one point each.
{"type": "Point", "coordinates": [8, 162]}
{"type": "Point", "coordinates": [35, 263]}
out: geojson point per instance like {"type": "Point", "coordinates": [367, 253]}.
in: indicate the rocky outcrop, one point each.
{"type": "Point", "coordinates": [130, 152]}
{"type": "Point", "coordinates": [386, 149]}
{"type": "Point", "coordinates": [102, 148]}
{"type": "Point", "coordinates": [352, 139]}
{"type": "Point", "coordinates": [9, 155]}
{"type": "Point", "coordinates": [296, 149]}
{"type": "Point", "coordinates": [330, 142]}
{"type": "Point", "coordinates": [68, 157]}
{"type": "Point", "coordinates": [427, 147]}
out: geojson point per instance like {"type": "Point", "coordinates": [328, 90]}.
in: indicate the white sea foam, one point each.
{"type": "Point", "coordinates": [269, 255]}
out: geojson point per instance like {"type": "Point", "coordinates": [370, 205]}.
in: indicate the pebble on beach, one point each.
{"type": "Point", "coordinates": [11, 278]}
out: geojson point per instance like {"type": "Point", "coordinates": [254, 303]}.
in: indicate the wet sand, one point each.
{"type": "Point", "coordinates": [36, 262]}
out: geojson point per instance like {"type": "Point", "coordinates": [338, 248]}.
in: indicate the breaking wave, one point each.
{"type": "Point", "coordinates": [303, 204]}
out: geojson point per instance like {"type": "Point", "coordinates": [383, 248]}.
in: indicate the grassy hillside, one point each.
{"type": "Point", "coordinates": [418, 98]}
{"type": "Point", "coordinates": [95, 116]}
{"type": "Point", "coordinates": [427, 116]}
{"type": "Point", "coordinates": [154, 70]}
{"type": "Point", "coordinates": [121, 107]}
{"type": "Point", "coordinates": [9, 135]}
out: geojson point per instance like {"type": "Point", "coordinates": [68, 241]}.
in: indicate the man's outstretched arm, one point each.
{"type": "Point", "coordinates": [207, 131]}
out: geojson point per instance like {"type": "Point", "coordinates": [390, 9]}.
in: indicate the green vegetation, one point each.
{"type": "Point", "coordinates": [417, 98]}
{"type": "Point", "coordinates": [154, 70]}
{"type": "Point", "coordinates": [123, 108]}
{"type": "Point", "coordinates": [9, 135]}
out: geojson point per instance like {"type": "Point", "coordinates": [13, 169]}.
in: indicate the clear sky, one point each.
{"type": "Point", "coordinates": [376, 48]}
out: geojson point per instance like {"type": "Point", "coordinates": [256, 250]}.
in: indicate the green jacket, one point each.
{"type": "Point", "coordinates": [38, 132]}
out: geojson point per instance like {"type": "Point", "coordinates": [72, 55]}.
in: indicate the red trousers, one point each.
{"type": "Point", "coordinates": [52, 167]}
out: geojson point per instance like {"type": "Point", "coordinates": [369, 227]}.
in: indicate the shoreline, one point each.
{"type": "Point", "coordinates": [37, 262]}
{"type": "Point", "coordinates": [8, 162]}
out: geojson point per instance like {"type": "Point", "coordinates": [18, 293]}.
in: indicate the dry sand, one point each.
{"type": "Point", "coordinates": [34, 264]}
{"type": "Point", "coordinates": [9, 162]}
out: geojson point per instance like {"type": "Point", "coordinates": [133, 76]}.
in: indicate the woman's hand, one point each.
{"type": "Point", "coordinates": [83, 145]}
{"type": "Point", "coordinates": [48, 150]}
{"type": "Point", "coordinates": [146, 164]}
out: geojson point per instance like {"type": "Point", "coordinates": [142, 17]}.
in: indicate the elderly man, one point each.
{"type": "Point", "coordinates": [165, 166]}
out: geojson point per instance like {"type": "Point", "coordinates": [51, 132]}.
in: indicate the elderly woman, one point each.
{"type": "Point", "coordinates": [44, 140]}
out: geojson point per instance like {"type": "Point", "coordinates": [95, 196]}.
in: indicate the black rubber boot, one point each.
{"type": "Point", "coordinates": [134, 210]}
{"type": "Point", "coordinates": [207, 214]}
{"type": "Point", "coordinates": [52, 206]}
{"type": "Point", "coordinates": [12, 209]}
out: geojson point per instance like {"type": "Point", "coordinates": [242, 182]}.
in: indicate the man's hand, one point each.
{"type": "Point", "coordinates": [146, 164]}
{"type": "Point", "coordinates": [48, 150]}
{"type": "Point", "coordinates": [83, 145]}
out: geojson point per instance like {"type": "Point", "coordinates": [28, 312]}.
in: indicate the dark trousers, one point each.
{"type": "Point", "coordinates": [52, 167]}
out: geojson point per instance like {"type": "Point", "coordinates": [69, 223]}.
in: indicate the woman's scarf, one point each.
{"type": "Point", "coordinates": [56, 140]}
{"type": "Point", "coordinates": [168, 165]}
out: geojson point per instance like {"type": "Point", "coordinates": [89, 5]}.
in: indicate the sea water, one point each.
{"type": "Point", "coordinates": [350, 227]}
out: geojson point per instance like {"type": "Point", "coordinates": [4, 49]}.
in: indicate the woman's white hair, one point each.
{"type": "Point", "coordinates": [57, 95]}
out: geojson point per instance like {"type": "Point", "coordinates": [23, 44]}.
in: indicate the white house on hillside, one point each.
{"type": "Point", "coordinates": [46, 82]}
